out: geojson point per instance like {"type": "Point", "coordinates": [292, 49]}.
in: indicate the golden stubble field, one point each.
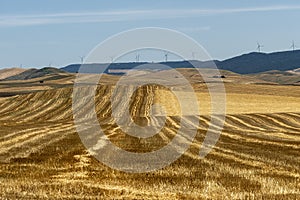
{"type": "Point", "coordinates": [256, 157]}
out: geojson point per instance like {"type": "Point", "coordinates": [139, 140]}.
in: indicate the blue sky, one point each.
{"type": "Point", "coordinates": [34, 32]}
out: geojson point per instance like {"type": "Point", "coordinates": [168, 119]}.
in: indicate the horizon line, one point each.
{"type": "Point", "coordinates": [126, 62]}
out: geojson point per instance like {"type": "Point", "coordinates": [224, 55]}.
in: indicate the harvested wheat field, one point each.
{"type": "Point", "coordinates": [256, 157]}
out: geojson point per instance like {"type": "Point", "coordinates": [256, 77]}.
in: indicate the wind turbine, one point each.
{"type": "Point", "coordinates": [166, 56]}
{"type": "Point", "coordinates": [137, 58]}
{"type": "Point", "coordinates": [81, 59]}
{"type": "Point", "coordinates": [193, 55]}
{"type": "Point", "coordinates": [293, 46]}
{"type": "Point", "coordinates": [259, 46]}
{"type": "Point", "coordinates": [111, 59]}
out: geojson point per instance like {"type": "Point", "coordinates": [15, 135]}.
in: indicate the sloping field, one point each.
{"type": "Point", "coordinates": [281, 77]}
{"type": "Point", "coordinates": [46, 82]}
{"type": "Point", "coordinates": [257, 155]}
{"type": "Point", "coordinates": [5, 73]}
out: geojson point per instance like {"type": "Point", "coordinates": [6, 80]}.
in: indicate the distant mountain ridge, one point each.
{"type": "Point", "coordinates": [244, 64]}
{"type": "Point", "coordinates": [262, 62]}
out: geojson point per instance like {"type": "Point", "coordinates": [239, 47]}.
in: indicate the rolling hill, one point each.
{"type": "Point", "coordinates": [295, 71]}
{"type": "Point", "coordinates": [34, 80]}
{"type": "Point", "coordinates": [280, 77]}
{"type": "Point", "coordinates": [5, 73]}
{"type": "Point", "coordinates": [35, 73]}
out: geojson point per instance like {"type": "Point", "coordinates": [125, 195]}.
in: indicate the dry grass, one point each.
{"type": "Point", "coordinates": [4, 73]}
{"type": "Point", "coordinates": [257, 156]}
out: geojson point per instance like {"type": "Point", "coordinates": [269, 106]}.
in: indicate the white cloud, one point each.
{"type": "Point", "coordinates": [126, 15]}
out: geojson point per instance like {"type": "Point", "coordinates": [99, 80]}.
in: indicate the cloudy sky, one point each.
{"type": "Point", "coordinates": [35, 33]}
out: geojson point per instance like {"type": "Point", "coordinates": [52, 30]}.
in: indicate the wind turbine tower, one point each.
{"type": "Point", "coordinates": [166, 56]}
{"type": "Point", "coordinates": [293, 45]}
{"type": "Point", "coordinates": [259, 46]}
{"type": "Point", "coordinates": [81, 59]}
{"type": "Point", "coordinates": [193, 55]}
{"type": "Point", "coordinates": [137, 58]}
{"type": "Point", "coordinates": [111, 59]}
